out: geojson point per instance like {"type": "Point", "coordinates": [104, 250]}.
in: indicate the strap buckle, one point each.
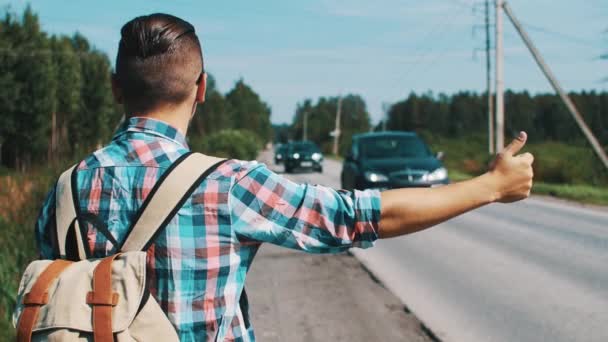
{"type": "Point", "coordinates": [95, 298]}
{"type": "Point", "coordinates": [35, 298]}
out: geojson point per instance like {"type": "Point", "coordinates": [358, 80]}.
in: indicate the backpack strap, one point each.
{"type": "Point", "coordinates": [36, 298]}
{"type": "Point", "coordinates": [103, 300]}
{"type": "Point", "coordinates": [66, 219]}
{"type": "Point", "coordinates": [166, 199]}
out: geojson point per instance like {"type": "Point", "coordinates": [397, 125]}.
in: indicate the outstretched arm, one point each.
{"type": "Point", "coordinates": [406, 211]}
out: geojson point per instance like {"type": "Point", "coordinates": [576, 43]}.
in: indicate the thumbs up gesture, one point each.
{"type": "Point", "coordinates": [511, 173]}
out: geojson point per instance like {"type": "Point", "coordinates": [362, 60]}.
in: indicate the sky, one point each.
{"type": "Point", "coordinates": [382, 50]}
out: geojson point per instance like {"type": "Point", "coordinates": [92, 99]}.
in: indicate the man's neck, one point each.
{"type": "Point", "coordinates": [174, 116]}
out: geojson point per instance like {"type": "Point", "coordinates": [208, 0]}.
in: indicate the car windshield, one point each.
{"type": "Point", "coordinates": [303, 147]}
{"type": "Point", "coordinates": [393, 147]}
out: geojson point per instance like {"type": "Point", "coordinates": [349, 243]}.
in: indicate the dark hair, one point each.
{"type": "Point", "coordinates": [159, 61]}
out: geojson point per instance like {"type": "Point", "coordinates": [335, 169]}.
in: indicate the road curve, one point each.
{"type": "Point", "coordinates": [536, 270]}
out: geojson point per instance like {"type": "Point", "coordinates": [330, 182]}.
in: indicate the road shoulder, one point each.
{"type": "Point", "coordinates": [301, 297]}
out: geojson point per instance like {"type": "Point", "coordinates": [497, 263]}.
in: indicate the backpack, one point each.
{"type": "Point", "coordinates": [106, 299]}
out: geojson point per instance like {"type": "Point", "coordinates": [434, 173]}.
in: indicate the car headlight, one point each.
{"type": "Point", "coordinates": [375, 177]}
{"type": "Point", "coordinates": [296, 156]}
{"type": "Point", "coordinates": [279, 156]}
{"type": "Point", "coordinates": [317, 156]}
{"type": "Point", "coordinates": [437, 175]}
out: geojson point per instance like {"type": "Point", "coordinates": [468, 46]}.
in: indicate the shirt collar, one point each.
{"type": "Point", "coordinates": [153, 127]}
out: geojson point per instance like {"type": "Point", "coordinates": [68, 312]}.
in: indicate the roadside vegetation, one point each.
{"type": "Point", "coordinates": [20, 198]}
{"type": "Point", "coordinates": [229, 143]}
{"type": "Point", "coordinates": [560, 170]}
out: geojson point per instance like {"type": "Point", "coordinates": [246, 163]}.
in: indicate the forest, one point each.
{"type": "Point", "coordinates": [465, 113]}
{"type": "Point", "coordinates": [57, 104]}
{"type": "Point", "coordinates": [543, 116]}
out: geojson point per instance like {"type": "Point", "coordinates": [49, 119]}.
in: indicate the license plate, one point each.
{"type": "Point", "coordinates": [306, 164]}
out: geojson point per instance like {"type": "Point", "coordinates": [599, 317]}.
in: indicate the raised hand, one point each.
{"type": "Point", "coordinates": [511, 173]}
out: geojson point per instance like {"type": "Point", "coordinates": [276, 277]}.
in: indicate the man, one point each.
{"type": "Point", "coordinates": [199, 262]}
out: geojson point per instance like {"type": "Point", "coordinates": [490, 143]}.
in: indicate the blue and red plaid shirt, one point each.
{"type": "Point", "coordinates": [198, 264]}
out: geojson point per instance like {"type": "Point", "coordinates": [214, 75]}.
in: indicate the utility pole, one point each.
{"type": "Point", "coordinates": [305, 134]}
{"type": "Point", "coordinates": [557, 87]}
{"type": "Point", "coordinates": [489, 82]}
{"type": "Point", "coordinates": [500, 105]}
{"type": "Point", "coordinates": [337, 129]}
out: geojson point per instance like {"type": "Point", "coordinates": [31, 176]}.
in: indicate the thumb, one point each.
{"type": "Point", "coordinates": [517, 144]}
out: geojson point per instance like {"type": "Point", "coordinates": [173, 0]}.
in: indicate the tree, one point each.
{"type": "Point", "coordinates": [66, 98]}
{"type": "Point", "coordinates": [248, 111]}
{"type": "Point", "coordinates": [213, 115]}
{"type": "Point", "coordinates": [355, 119]}
{"type": "Point", "coordinates": [321, 120]}
{"type": "Point", "coordinates": [57, 104]}
{"type": "Point", "coordinates": [98, 115]}
{"type": "Point", "coordinates": [464, 114]}
{"type": "Point", "coordinates": [33, 77]}
{"type": "Point", "coordinates": [281, 133]}
{"type": "Point", "coordinates": [8, 84]}
{"type": "Point", "coordinates": [56, 94]}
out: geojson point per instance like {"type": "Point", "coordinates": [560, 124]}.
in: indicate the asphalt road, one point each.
{"type": "Point", "coordinates": [299, 297]}
{"type": "Point", "coordinates": [536, 270]}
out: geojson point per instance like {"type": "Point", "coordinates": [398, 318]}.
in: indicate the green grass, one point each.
{"type": "Point", "coordinates": [580, 193]}
{"type": "Point", "coordinates": [458, 176]}
{"type": "Point", "coordinates": [21, 197]}
{"type": "Point", "coordinates": [555, 162]}
{"type": "Point", "coordinates": [560, 170]}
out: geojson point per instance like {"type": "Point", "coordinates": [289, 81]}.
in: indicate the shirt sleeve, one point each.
{"type": "Point", "coordinates": [45, 228]}
{"type": "Point", "coordinates": [269, 208]}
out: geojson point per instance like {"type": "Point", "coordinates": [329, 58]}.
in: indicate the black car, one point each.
{"type": "Point", "coordinates": [391, 160]}
{"type": "Point", "coordinates": [279, 153]}
{"type": "Point", "coordinates": [303, 154]}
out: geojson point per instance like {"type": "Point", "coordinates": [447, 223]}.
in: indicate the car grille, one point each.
{"type": "Point", "coordinates": [409, 175]}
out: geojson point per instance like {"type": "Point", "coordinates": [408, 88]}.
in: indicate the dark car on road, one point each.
{"type": "Point", "coordinates": [391, 160]}
{"type": "Point", "coordinates": [303, 155]}
{"type": "Point", "coordinates": [279, 153]}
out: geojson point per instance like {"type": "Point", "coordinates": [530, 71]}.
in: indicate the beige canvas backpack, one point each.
{"type": "Point", "coordinates": [107, 299]}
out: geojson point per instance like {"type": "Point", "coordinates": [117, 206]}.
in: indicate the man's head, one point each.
{"type": "Point", "coordinates": [159, 64]}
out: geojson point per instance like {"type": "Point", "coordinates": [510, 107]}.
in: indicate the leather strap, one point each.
{"type": "Point", "coordinates": [168, 199]}
{"type": "Point", "coordinates": [37, 297]}
{"type": "Point", "coordinates": [103, 299]}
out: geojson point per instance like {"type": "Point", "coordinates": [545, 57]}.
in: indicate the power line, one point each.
{"type": "Point", "coordinates": [562, 35]}
{"type": "Point", "coordinates": [423, 59]}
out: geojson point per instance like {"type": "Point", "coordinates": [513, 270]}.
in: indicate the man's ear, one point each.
{"type": "Point", "coordinates": [202, 88]}
{"type": "Point", "coordinates": [116, 90]}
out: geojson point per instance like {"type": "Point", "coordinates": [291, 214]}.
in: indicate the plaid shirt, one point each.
{"type": "Point", "coordinates": [197, 265]}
